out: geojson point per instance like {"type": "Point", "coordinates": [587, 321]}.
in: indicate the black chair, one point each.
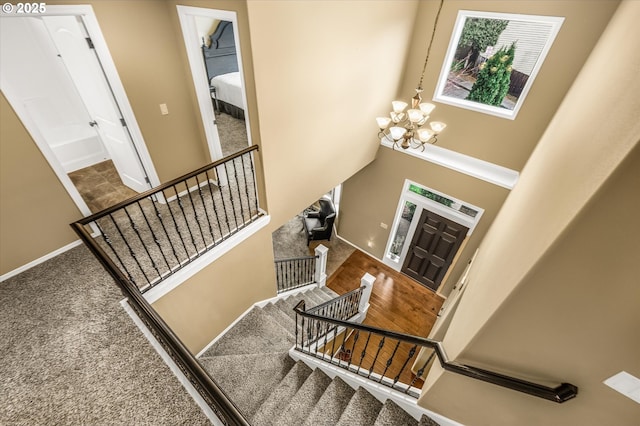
{"type": "Point", "coordinates": [318, 225]}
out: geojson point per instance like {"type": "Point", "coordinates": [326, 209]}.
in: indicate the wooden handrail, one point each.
{"type": "Point", "coordinates": [559, 394]}
{"type": "Point", "coordinates": [215, 397]}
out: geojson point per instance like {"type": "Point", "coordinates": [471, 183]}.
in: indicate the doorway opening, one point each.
{"type": "Point", "coordinates": [212, 43]}
{"type": "Point", "coordinates": [428, 232]}
{"type": "Point", "coordinates": [59, 78]}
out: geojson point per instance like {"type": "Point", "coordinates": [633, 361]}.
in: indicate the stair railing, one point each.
{"type": "Point", "coordinates": [153, 235]}
{"type": "Point", "coordinates": [386, 356]}
{"type": "Point", "coordinates": [298, 272]}
{"type": "Point", "coordinates": [295, 272]}
{"type": "Point", "coordinates": [146, 238]}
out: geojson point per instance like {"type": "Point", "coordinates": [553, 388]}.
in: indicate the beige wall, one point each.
{"type": "Point", "coordinates": [371, 196]}
{"type": "Point", "coordinates": [321, 69]}
{"type": "Point", "coordinates": [206, 304]}
{"type": "Point", "coordinates": [36, 209]}
{"type": "Point", "coordinates": [549, 294]}
{"type": "Point", "coordinates": [302, 158]}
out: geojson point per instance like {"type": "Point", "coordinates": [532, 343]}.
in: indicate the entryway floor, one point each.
{"type": "Point", "coordinates": [100, 186]}
{"type": "Point", "coordinates": [397, 303]}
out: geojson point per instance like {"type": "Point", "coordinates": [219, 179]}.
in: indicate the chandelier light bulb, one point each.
{"type": "Point", "coordinates": [426, 108]}
{"type": "Point", "coordinates": [424, 134]}
{"type": "Point", "coordinates": [398, 106]}
{"type": "Point", "coordinates": [383, 122]}
{"type": "Point", "coordinates": [415, 115]}
{"type": "Point", "coordinates": [397, 132]}
{"type": "Point", "coordinates": [437, 126]}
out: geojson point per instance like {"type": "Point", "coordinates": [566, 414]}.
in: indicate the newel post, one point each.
{"type": "Point", "coordinates": [321, 265]}
{"type": "Point", "coordinates": [366, 281]}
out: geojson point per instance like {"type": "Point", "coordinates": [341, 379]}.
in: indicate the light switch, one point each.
{"type": "Point", "coordinates": [163, 109]}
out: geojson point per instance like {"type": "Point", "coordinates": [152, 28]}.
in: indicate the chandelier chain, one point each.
{"type": "Point", "coordinates": [433, 33]}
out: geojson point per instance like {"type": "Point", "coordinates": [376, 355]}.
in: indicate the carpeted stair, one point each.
{"type": "Point", "coordinates": [251, 364]}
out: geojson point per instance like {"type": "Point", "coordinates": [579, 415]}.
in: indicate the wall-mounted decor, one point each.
{"type": "Point", "coordinates": [493, 59]}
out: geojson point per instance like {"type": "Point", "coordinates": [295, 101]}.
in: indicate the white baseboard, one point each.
{"type": "Point", "coordinates": [39, 260]}
{"type": "Point", "coordinates": [359, 248]}
{"type": "Point", "coordinates": [172, 365]}
{"type": "Point", "coordinates": [260, 304]}
{"type": "Point", "coordinates": [206, 259]}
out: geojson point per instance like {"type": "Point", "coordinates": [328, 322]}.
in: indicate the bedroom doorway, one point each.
{"type": "Point", "coordinates": [58, 76]}
{"type": "Point", "coordinates": [212, 43]}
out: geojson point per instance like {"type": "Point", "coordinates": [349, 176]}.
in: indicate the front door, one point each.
{"type": "Point", "coordinates": [433, 247]}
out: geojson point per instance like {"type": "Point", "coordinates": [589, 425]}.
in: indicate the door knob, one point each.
{"type": "Point", "coordinates": [93, 123]}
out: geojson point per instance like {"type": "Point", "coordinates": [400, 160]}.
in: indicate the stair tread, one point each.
{"type": "Point", "coordinates": [281, 394]}
{"type": "Point", "coordinates": [256, 332]}
{"type": "Point", "coordinates": [283, 319]}
{"type": "Point", "coordinates": [303, 402]}
{"type": "Point", "coordinates": [427, 421]}
{"type": "Point", "coordinates": [362, 410]}
{"type": "Point", "coordinates": [232, 372]}
{"type": "Point", "coordinates": [326, 290]}
{"type": "Point", "coordinates": [312, 297]}
{"type": "Point", "coordinates": [332, 403]}
{"type": "Point", "coordinates": [392, 415]}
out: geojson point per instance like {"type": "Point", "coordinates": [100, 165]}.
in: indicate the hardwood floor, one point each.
{"type": "Point", "coordinates": [397, 303]}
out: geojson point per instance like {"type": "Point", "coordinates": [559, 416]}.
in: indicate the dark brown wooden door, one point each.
{"type": "Point", "coordinates": [433, 247]}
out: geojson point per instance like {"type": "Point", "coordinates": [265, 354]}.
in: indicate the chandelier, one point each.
{"type": "Point", "coordinates": [409, 125]}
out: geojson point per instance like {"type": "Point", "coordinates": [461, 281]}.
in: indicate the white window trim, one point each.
{"type": "Point", "coordinates": [421, 204]}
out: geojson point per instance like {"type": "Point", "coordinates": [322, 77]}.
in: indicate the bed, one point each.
{"type": "Point", "coordinates": [221, 61]}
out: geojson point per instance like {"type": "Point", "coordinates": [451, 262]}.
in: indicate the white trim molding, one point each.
{"type": "Point", "coordinates": [479, 169]}
{"type": "Point", "coordinates": [200, 263]}
{"type": "Point", "coordinates": [39, 260]}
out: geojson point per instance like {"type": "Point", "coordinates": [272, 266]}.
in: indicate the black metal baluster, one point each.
{"type": "Point", "coordinates": [206, 212]}
{"type": "Point", "coordinates": [255, 184]}
{"type": "Point", "coordinates": [301, 334]}
{"type": "Point", "coordinates": [389, 361]}
{"type": "Point", "coordinates": [333, 342]}
{"type": "Point", "coordinates": [343, 345]}
{"type": "Point", "coordinates": [317, 336]}
{"type": "Point", "coordinates": [235, 173]}
{"type": "Point", "coordinates": [233, 204]}
{"type": "Point", "coordinates": [213, 203]}
{"type": "Point", "coordinates": [134, 226]}
{"type": "Point", "coordinates": [297, 318]}
{"type": "Point", "coordinates": [131, 252]}
{"type": "Point", "coordinates": [412, 351]}
{"type": "Point", "coordinates": [380, 345]}
{"type": "Point", "coordinates": [353, 347]}
{"type": "Point", "coordinates": [420, 372]}
{"type": "Point", "coordinates": [246, 187]}
{"type": "Point", "coordinates": [224, 205]}
{"type": "Point", "coordinates": [169, 239]}
{"type": "Point", "coordinates": [184, 216]}
{"type": "Point", "coordinates": [153, 235]}
{"type": "Point", "coordinates": [110, 244]}
{"type": "Point", "coordinates": [326, 335]}
{"type": "Point", "coordinates": [195, 213]}
{"type": "Point", "coordinates": [364, 351]}
{"type": "Point", "coordinates": [175, 224]}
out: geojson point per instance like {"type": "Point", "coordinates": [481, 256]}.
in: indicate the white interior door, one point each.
{"type": "Point", "coordinates": [85, 70]}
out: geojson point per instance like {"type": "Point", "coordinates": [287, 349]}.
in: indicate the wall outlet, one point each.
{"type": "Point", "coordinates": [163, 109]}
{"type": "Point", "coordinates": [383, 225]}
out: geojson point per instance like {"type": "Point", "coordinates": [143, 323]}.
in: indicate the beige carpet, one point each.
{"type": "Point", "coordinates": [72, 356]}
